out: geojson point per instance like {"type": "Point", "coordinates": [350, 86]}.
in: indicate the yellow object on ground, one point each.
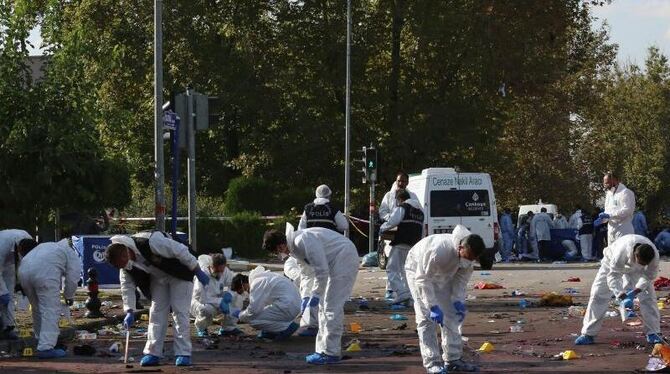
{"type": "Point", "coordinates": [63, 323]}
{"type": "Point", "coordinates": [486, 347]}
{"type": "Point", "coordinates": [27, 352]}
{"type": "Point", "coordinates": [355, 327]}
{"type": "Point", "coordinates": [354, 347]}
{"type": "Point", "coordinates": [24, 333]}
{"type": "Point", "coordinates": [144, 317]}
{"type": "Point", "coordinates": [570, 355]}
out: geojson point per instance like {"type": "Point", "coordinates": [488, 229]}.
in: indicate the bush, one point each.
{"type": "Point", "coordinates": [243, 232]}
{"type": "Point", "coordinates": [249, 195]}
{"type": "Point", "coordinates": [293, 198]}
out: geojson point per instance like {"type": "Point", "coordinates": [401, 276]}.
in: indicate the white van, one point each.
{"type": "Point", "coordinates": [450, 198]}
{"type": "Point", "coordinates": [552, 210]}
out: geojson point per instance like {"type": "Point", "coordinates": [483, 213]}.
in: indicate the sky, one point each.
{"type": "Point", "coordinates": [634, 25]}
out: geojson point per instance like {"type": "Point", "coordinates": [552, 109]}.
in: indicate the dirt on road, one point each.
{"type": "Point", "coordinates": [392, 346]}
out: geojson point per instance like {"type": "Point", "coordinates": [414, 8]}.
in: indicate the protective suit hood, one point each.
{"type": "Point", "coordinates": [205, 263]}
{"type": "Point", "coordinates": [290, 235]}
{"type": "Point", "coordinates": [414, 202]}
{"type": "Point", "coordinates": [321, 200]}
{"type": "Point", "coordinates": [257, 271]}
{"type": "Point", "coordinates": [458, 234]}
{"type": "Point", "coordinates": [124, 240]}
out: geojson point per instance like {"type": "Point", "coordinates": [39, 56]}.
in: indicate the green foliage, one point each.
{"type": "Point", "coordinates": [243, 232]}
{"type": "Point", "coordinates": [249, 195]}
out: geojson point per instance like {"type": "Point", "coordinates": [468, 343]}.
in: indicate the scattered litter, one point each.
{"type": "Point", "coordinates": [568, 355]}
{"type": "Point", "coordinates": [401, 327]}
{"type": "Point", "coordinates": [662, 351]}
{"type": "Point", "coordinates": [465, 339]}
{"type": "Point", "coordinates": [471, 297]}
{"type": "Point", "coordinates": [398, 307]}
{"type": "Point", "coordinates": [83, 350]}
{"type": "Point", "coordinates": [114, 348]}
{"type": "Point", "coordinates": [573, 279]}
{"type": "Point", "coordinates": [355, 327]}
{"type": "Point", "coordinates": [354, 347]}
{"type": "Point", "coordinates": [571, 291]}
{"type": "Point", "coordinates": [612, 313]}
{"type": "Point", "coordinates": [87, 336]}
{"type": "Point", "coordinates": [24, 333]}
{"type": "Point", "coordinates": [577, 311]}
{"type": "Point", "coordinates": [491, 321]}
{"type": "Point", "coordinates": [518, 293]}
{"type": "Point", "coordinates": [144, 317]}
{"type": "Point", "coordinates": [487, 286]}
{"type": "Point", "coordinates": [523, 303]}
{"type": "Point", "coordinates": [27, 352]}
{"type": "Point", "coordinates": [634, 323]}
{"type": "Point", "coordinates": [398, 317]}
{"type": "Point", "coordinates": [370, 260]}
{"type": "Point", "coordinates": [106, 303]}
{"type": "Point", "coordinates": [363, 305]}
{"type": "Point", "coordinates": [516, 328]}
{"type": "Point", "coordinates": [130, 359]}
{"type": "Point", "coordinates": [655, 364]}
{"type": "Point", "coordinates": [661, 305]}
{"type": "Point", "coordinates": [484, 273]}
{"type": "Point", "coordinates": [486, 347]}
{"type": "Point", "coordinates": [554, 299]}
{"type": "Point", "coordinates": [662, 284]}
{"type": "Point", "coordinates": [559, 262]}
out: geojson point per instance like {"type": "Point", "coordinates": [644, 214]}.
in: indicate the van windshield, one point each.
{"type": "Point", "coordinates": [463, 203]}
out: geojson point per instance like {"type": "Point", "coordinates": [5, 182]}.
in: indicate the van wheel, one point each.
{"type": "Point", "coordinates": [381, 256]}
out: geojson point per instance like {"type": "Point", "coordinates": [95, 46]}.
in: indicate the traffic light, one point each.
{"type": "Point", "coordinates": [371, 164]}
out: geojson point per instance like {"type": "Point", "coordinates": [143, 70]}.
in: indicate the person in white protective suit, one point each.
{"type": "Point", "coordinates": [408, 217]}
{"type": "Point", "coordinates": [543, 224]}
{"type": "Point", "coordinates": [303, 278]}
{"type": "Point", "coordinates": [335, 262]}
{"type": "Point", "coordinates": [619, 209]}
{"type": "Point", "coordinates": [41, 273]}
{"type": "Point", "coordinates": [321, 213]}
{"type": "Point", "coordinates": [438, 269]}
{"type": "Point", "coordinates": [583, 223]}
{"type": "Point", "coordinates": [164, 269]}
{"type": "Point", "coordinates": [274, 303]}
{"type": "Point", "coordinates": [627, 271]}
{"type": "Point", "coordinates": [12, 242]}
{"type": "Point", "coordinates": [390, 202]}
{"type": "Point", "coordinates": [560, 222]}
{"type": "Point", "coordinates": [215, 300]}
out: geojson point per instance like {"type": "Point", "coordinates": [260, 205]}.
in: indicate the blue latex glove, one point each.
{"type": "Point", "coordinates": [313, 301]}
{"type": "Point", "coordinates": [303, 305]}
{"type": "Point", "coordinates": [597, 222]}
{"type": "Point", "coordinates": [460, 310]}
{"type": "Point", "coordinates": [224, 307]}
{"type": "Point", "coordinates": [4, 299]}
{"type": "Point", "coordinates": [236, 313]}
{"type": "Point", "coordinates": [603, 216]}
{"type": "Point", "coordinates": [227, 297]}
{"type": "Point", "coordinates": [628, 303]}
{"type": "Point", "coordinates": [436, 314]}
{"type": "Point", "coordinates": [129, 320]}
{"type": "Point", "coordinates": [202, 277]}
{"type": "Point", "coordinates": [632, 294]}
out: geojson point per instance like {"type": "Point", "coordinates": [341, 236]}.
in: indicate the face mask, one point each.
{"type": "Point", "coordinates": [129, 265]}
{"type": "Point", "coordinates": [464, 263]}
{"type": "Point", "coordinates": [282, 256]}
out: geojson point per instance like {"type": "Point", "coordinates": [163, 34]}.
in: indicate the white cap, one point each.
{"type": "Point", "coordinates": [323, 191]}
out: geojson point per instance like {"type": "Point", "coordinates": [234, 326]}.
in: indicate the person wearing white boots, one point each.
{"type": "Point", "coordinates": [214, 299]}
{"type": "Point", "coordinates": [438, 269]}
{"type": "Point", "coordinates": [165, 267]}
{"type": "Point", "coordinates": [408, 217]}
{"type": "Point", "coordinates": [41, 273]}
{"type": "Point", "coordinates": [303, 278]}
{"type": "Point", "coordinates": [335, 262]}
{"type": "Point", "coordinates": [627, 271]}
{"type": "Point", "coordinates": [274, 303]}
{"type": "Point", "coordinates": [12, 242]}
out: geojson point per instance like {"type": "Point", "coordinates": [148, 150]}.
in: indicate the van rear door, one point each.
{"type": "Point", "coordinates": [478, 212]}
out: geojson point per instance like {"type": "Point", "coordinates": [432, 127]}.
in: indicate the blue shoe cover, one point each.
{"type": "Point", "coordinates": [292, 328]}
{"type": "Point", "coordinates": [51, 353]}
{"type": "Point", "coordinates": [654, 339]}
{"type": "Point", "coordinates": [584, 340]}
{"type": "Point", "coordinates": [183, 361]}
{"type": "Point", "coordinates": [150, 360]}
{"type": "Point", "coordinates": [321, 359]}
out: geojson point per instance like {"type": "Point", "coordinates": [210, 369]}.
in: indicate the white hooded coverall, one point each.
{"type": "Point", "coordinates": [437, 275]}
{"type": "Point", "coordinates": [620, 205]}
{"type": "Point", "coordinates": [619, 273]}
{"type": "Point", "coordinates": [206, 300]}
{"type": "Point", "coordinates": [274, 301]}
{"type": "Point", "coordinates": [41, 273]}
{"type": "Point", "coordinates": [335, 262]}
{"type": "Point", "coordinates": [395, 267]}
{"type": "Point", "coordinates": [341, 222]}
{"type": "Point", "coordinates": [303, 278]}
{"type": "Point", "coordinates": [9, 239]}
{"type": "Point", "coordinates": [166, 292]}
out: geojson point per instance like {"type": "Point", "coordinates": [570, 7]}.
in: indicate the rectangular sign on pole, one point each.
{"type": "Point", "coordinates": [170, 119]}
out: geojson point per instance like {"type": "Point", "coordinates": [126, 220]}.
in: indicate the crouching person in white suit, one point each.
{"type": "Point", "coordinates": [627, 270]}
{"type": "Point", "coordinates": [274, 303]}
{"type": "Point", "coordinates": [438, 269]}
{"type": "Point", "coordinates": [164, 268]}
{"type": "Point", "coordinates": [214, 300]}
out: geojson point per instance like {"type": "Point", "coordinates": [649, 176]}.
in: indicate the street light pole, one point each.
{"type": "Point", "coordinates": [159, 169]}
{"type": "Point", "coordinates": [347, 121]}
